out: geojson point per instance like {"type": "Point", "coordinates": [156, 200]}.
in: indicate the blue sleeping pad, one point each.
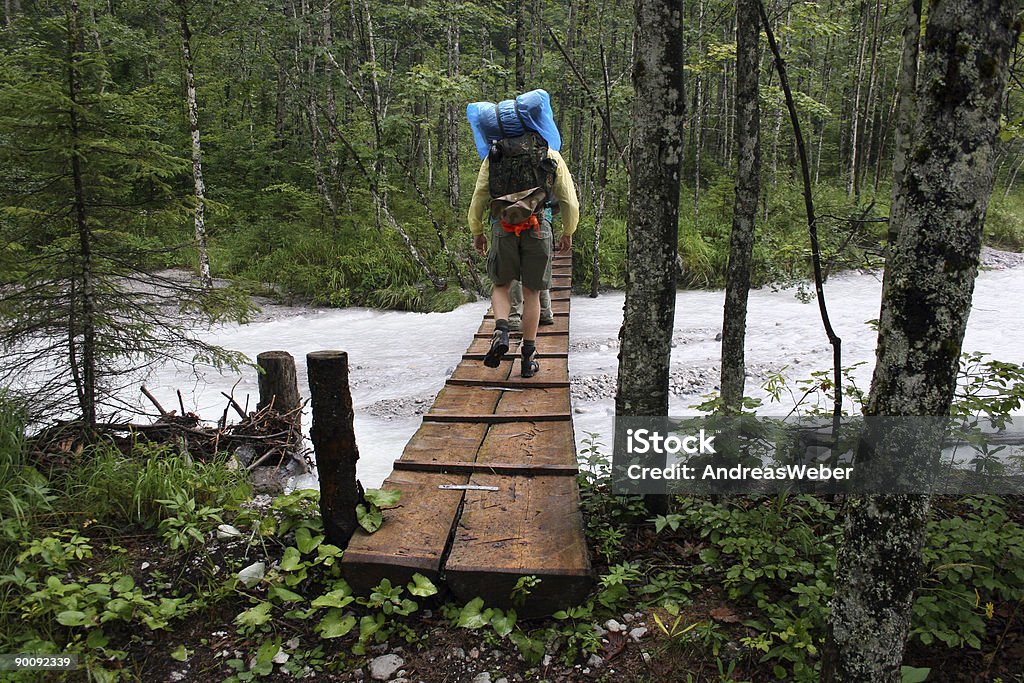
{"type": "Point", "coordinates": [509, 118]}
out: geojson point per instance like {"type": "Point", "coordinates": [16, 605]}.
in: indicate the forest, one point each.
{"type": "Point", "coordinates": [165, 164]}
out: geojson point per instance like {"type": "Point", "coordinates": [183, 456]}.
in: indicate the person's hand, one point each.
{"type": "Point", "coordinates": [564, 245]}
{"type": "Point", "coordinates": [480, 244]}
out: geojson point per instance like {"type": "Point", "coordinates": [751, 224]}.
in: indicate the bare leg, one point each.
{"type": "Point", "coordinates": [531, 313]}
{"type": "Point", "coordinates": [500, 303]}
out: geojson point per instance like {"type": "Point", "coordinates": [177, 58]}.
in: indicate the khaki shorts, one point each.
{"type": "Point", "coordinates": [526, 258]}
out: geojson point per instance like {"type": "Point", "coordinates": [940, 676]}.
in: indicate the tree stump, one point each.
{"type": "Point", "coordinates": [334, 441]}
{"type": "Point", "coordinates": [278, 383]}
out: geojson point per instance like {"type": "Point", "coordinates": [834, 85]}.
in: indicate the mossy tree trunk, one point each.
{"type": "Point", "coordinates": [748, 186]}
{"type": "Point", "coordinates": [925, 304]}
{"type": "Point", "coordinates": [82, 309]}
{"type": "Point", "coordinates": [652, 234]}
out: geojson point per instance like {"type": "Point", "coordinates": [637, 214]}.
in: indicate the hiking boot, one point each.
{"type": "Point", "coordinates": [499, 347]}
{"type": "Point", "coordinates": [514, 324]}
{"type": "Point", "coordinates": [530, 366]}
{"type": "Point", "coordinates": [547, 321]}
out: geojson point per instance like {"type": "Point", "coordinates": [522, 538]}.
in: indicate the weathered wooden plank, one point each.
{"type": "Point", "coordinates": [530, 526]}
{"type": "Point", "coordinates": [473, 373]}
{"type": "Point", "coordinates": [558, 307]}
{"type": "Point", "coordinates": [463, 467]}
{"type": "Point", "coordinates": [413, 537]}
{"type": "Point", "coordinates": [544, 331]}
{"type": "Point", "coordinates": [546, 443]}
{"type": "Point", "coordinates": [478, 372]}
{"type": "Point", "coordinates": [532, 383]}
{"type": "Point", "coordinates": [526, 403]}
{"type": "Point", "coordinates": [561, 326]}
{"type": "Point", "coordinates": [514, 355]}
{"type": "Point", "coordinates": [547, 345]}
{"type": "Point", "coordinates": [458, 400]}
{"type": "Point", "coordinates": [445, 441]}
{"type": "Point", "coordinates": [491, 418]}
{"type": "Point", "coordinates": [554, 313]}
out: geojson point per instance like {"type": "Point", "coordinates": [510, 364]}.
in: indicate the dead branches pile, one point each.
{"type": "Point", "coordinates": [264, 438]}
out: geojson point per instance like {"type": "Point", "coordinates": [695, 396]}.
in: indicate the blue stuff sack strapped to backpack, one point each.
{"type": "Point", "coordinates": [491, 121]}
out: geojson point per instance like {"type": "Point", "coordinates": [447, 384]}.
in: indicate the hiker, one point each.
{"type": "Point", "coordinates": [522, 178]}
{"type": "Point", "coordinates": [515, 316]}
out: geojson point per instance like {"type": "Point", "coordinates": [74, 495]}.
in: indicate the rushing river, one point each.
{"type": "Point", "coordinates": [399, 361]}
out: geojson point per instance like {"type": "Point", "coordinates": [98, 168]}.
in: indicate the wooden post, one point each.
{"type": "Point", "coordinates": [278, 382]}
{"type": "Point", "coordinates": [334, 441]}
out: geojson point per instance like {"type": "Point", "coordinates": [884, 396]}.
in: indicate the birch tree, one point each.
{"type": "Point", "coordinates": [197, 153]}
{"type": "Point", "coordinates": [926, 300]}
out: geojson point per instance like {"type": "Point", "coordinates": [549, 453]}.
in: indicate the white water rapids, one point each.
{"type": "Point", "coordinates": [399, 361]}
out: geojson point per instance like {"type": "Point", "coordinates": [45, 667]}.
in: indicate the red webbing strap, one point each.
{"type": "Point", "coordinates": [520, 228]}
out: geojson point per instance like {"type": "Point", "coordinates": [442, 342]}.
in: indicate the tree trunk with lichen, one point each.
{"type": "Point", "coordinates": [748, 187]}
{"type": "Point", "coordinates": [905, 94]}
{"type": "Point", "coordinates": [925, 304]}
{"type": "Point", "coordinates": [653, 227]}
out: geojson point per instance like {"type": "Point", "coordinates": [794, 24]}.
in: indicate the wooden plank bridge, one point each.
{"type": "Point", "coordinates": [489, 427]}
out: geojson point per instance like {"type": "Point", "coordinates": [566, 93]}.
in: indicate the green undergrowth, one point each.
{"type": "Point", "coordinates": [121, 557]}
{"type": "Point", "coordinates": [752, 577]}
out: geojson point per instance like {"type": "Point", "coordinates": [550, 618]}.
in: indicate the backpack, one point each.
{"type": "Point", "coordinates": [521, 163]}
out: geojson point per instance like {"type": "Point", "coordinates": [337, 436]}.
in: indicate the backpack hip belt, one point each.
{"type": "Point", "coordinates": [519, 228]}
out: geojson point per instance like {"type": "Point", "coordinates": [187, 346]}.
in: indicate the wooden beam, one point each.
{"type": "Point", "coordinates": [497, 419]}
{"type": "Point", "coordinates": [513, 356]}
{"type": "Point", "coordinates": [464, 467]}
{"type": "Point", "coordinates": [507, 383]}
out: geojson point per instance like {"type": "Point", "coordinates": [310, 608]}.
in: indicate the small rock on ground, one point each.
{"type": "Point", "coordinates": [382, 667]}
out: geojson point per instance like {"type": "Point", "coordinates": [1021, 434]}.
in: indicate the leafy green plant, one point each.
{"type": "Point", "coordinates": [369, 513]}
{"type": "Point", "coordinates": [189, 521]}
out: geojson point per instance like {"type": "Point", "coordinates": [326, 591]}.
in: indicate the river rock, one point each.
{"type": "Point", "coordinates": [382, 667]}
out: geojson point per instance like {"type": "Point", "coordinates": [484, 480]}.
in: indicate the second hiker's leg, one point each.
{"type": "Point", "coordinates": [546, 316]}
{"type": "Point", "coordinates": [515, 314]}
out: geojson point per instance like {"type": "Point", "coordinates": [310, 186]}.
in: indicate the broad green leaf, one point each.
{"type": "Point", "coordinates": [291, 560]}
{"type": "Point", "coordinates": [421, 586]}
{"type": "Point", "coordinates": [124, 584]}
{"type": "Point", "coordinates": [383, 498]}
{"type": "Point", "coordinates": [336, 598]}
{"type": "Point", "coordinates": [306, 541]}
{"type": "Point", "coordinates": [181, 653]}
{"type": "Point", "coordinates": [335, 624]}
{"type": "Point", "coordinates": [254, 616]}
{"type": "Point", "coordinates": [283, 594]}
{"type": "Point", "coordinates": [910, 674]}
{"type": "Point", "coordinates": [503, 622]}
{"type": "Point", "coordinates": [471, 615]}
{"type": "Point", "coordinates": [72, 617]}
{"type": "Point", "coordinates": [369, 519]}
